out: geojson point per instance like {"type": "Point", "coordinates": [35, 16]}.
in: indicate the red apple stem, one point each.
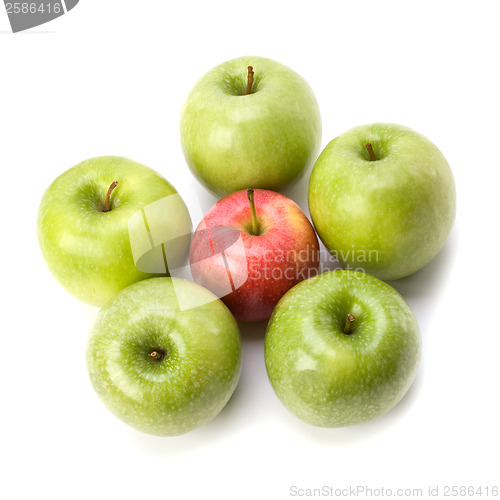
{"type": "Point", "coordinates": [251, 200]}
{"type": "Point", "coordinates": [348, 323]}
{"type": "Point", "coordinates": [250, 79]}
{"type": "Point", "coordinates": [369, 147]}
{"type": "Point", "coordinates": [108, 196]}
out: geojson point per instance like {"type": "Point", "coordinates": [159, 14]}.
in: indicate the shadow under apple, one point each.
{"type": "Point", "coordinates": [423, 288]}
{"type": "Point", "coordinates": [359, 433]}
{"type": "Point", "coordinates": [219, 429]}
{"type": "Point", "coordinates": [253, 331]}
{"type": "Point", "coordinates": [228, 422]}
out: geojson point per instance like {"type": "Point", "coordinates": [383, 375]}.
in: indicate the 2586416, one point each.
{"type": "Point", "coordinates": [470, 491]}
{"type": "Point", "coordinates": [33, 8]}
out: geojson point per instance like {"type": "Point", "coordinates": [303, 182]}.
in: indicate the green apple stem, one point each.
{"type": "Point", "coordinates": [108, 196]}
{"type": "Point", "coordinates": [250, 79]}
{"type": "Point", "coordinates": [158, 355]}
{"type": "Point", "coordinates": [368, 146]}
{"type": "Point", "coordinates": [255, 225]}
{"type": "Point", "coordinates": [348, 323]}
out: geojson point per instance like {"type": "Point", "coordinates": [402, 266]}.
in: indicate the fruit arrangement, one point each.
{"type": "Point", "coordinates": [341, 347]}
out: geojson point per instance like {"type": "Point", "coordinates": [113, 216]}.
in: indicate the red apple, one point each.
{"type": "Point", "coordinates": [250, 248]}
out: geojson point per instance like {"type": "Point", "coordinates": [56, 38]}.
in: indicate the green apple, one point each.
{"type": "Point", "coordinates": [250, 122]}
{"type": "Point", "coordinates": [382, 198]}
{"type": "Point", "coordinates": [164, 355]}
{"type": "Point", "coordinates": [341, 348]}
{"type": "Point", "coordinates": [109, 222]}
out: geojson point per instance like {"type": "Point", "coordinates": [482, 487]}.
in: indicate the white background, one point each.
{"type": "Point", "coordinates": [110, 78]}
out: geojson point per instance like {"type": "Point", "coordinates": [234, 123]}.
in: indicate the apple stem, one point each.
{"type": "Point", "coordinates": [255, 225]}
{"type": "Point", "coordinates": [158, 355]}
{"type": "Point", "coordinates": [348, 323]}
{"type": "Point", "coordinates": [250, 79]}
{"type": "Point", "coordinates": [108, 196]}
{"type": "Point", "coordinates": [368, 146]}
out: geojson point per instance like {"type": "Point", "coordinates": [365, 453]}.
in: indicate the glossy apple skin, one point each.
{"type": "Point", "coordinates": [391, 216]}
{"type": "Point", "coordinates": [266, 139]}
{"type": "Point", "coordinates": [195, 378]}
{"type": "Point", "coordinates": [261, 268]}
{"type": "Point", "coordinates": [87, 250]}
{"type": "Point", "coordinates": [331, 379]}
